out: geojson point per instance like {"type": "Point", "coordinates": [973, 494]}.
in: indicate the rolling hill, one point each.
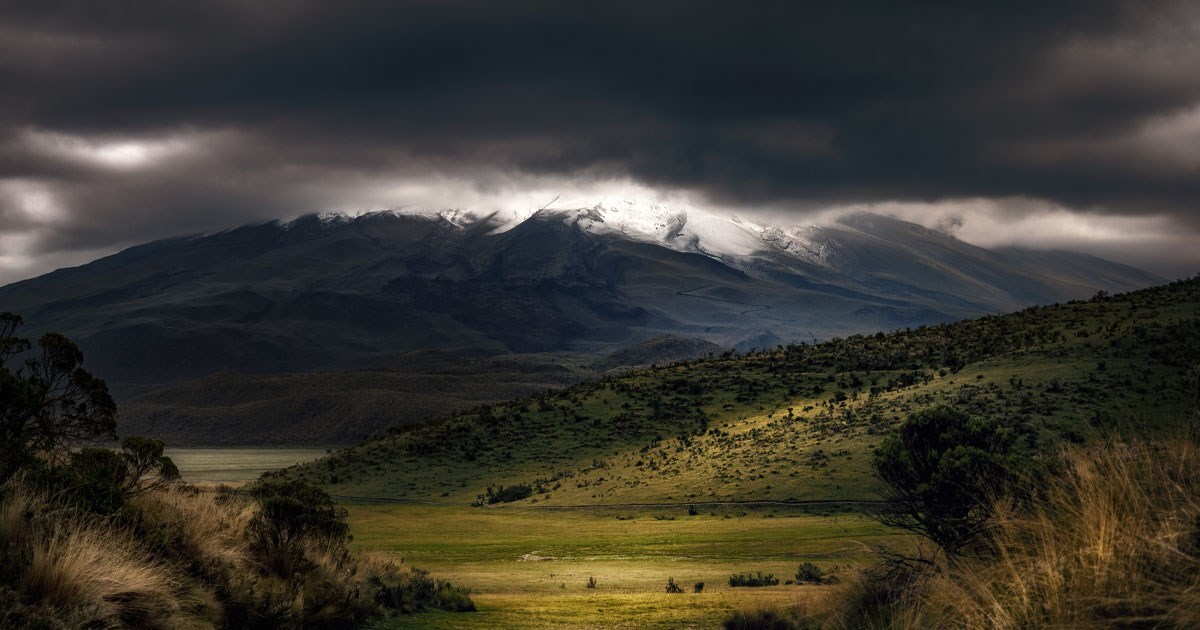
{"type": "Point", "coordinates": [798, 423]}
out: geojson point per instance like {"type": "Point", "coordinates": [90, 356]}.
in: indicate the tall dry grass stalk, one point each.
{"type": "Point", "coordinates": [76, 567]}
{"type": "Point", "coordinates": [205, 528]}
{"type": "Point", "coordinates": [177, 557]}
{"type": "Point", "coordinates": [1114, 541]}
{"type": "Point", "coordinates": [94, 574]}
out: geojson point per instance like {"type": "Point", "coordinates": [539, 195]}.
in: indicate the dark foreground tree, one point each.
{"type": "Point", "coordinates": [49, 402]}
{"type": "Point", "coordinates": [942, 471]}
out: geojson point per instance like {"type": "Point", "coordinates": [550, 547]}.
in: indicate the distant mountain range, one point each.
{"type": "Point", "coordinates": [335, 292]}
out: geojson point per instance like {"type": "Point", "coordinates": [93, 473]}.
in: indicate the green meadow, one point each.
{"type": "Point", "coordinates": [529, 567]}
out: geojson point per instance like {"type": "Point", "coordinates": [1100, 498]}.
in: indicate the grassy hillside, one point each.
{"type": "Point", "coordinates": [797, 422]}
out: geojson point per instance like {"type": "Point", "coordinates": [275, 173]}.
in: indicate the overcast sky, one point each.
{"type": "Point", "coordinates": [1043, 124]}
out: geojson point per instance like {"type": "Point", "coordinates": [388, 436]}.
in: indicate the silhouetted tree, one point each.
{"type": "Point", "coordinates": [50, 402]}
{"type": "Point", "coordinates": [943, 469]}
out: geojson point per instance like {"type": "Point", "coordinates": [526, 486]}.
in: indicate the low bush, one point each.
{"type": "Point", "coordinates": [758, 579]}
{"type": "Point", "coordinates": [508, 494]}
{"type": "Point", "coordinates": [400, 588]}
{"type": "Point", "coordinates": [809, 573]}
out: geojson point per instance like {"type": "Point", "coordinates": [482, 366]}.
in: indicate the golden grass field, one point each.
{"type": "Point", "coordinates": [528, 567]}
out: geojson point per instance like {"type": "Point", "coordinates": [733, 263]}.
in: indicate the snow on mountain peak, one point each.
{"type": "Point", "coordinates": [677, 226]}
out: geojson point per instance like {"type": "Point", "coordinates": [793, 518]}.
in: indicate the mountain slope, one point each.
{"type": "Point", "coordinates": [336, 292]}
{"type": "Point", "coordinates": [799, 423]}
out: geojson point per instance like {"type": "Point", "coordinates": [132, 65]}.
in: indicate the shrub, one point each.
{"type": "Point", "coordinates": [591, 583]}
{"type": "Point", "coordinates": [672, 587]}
{"type": "Point", "coordinates": [810, 573]}
{"type": "Point", "coordinates": [290, 513]}
{"type": "Point", "coordinates": [876, 598]}
{"type": "Point", "coordinates": [100, 480]}
{"type": "Point", "coordinates": [758, 579]}
{"type": "Point", "coordinates": [698, 587]}
{"type": "Point", "coordinates": [407, 590]}
{"type": "Point", "coordinates": [941, 471]}
{"type": "Point", "coordinates": [508, 494]}
{"type": "Point", "coordinates": [99, 538]}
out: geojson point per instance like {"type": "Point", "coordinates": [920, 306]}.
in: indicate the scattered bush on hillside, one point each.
{"type": "Point", "coordinates": [672, 587]}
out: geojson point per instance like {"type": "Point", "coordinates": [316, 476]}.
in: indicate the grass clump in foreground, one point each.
{"type": "Point", "coordinates": [1113, 540]}
{"type": "Point", "coordinates": [177, 557]}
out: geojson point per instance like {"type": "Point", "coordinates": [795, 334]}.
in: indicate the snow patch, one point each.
{"type": "Point", "coordinates": [681, 228]}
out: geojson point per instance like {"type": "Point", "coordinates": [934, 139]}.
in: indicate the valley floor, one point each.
{"type": "Point", "coordinates": [236, 464]}
{"type": "Point", "coordinates": [528, 567]}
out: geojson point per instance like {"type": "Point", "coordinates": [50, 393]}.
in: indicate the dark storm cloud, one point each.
{"type": "Point", "coordinates": [136, 120]}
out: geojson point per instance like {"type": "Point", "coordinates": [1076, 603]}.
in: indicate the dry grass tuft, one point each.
{"type": "Point", "coordinates": [1113, 542]}
{"type": "Point", "coordinates": [203, 526]}
{"type": "Point", "coordinates": [100, 575]}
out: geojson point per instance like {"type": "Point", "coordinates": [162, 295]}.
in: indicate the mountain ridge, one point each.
{"type": "Point", "coordinates": [337, 293]}
{"type": "Point", "coordinates": [900, 274]}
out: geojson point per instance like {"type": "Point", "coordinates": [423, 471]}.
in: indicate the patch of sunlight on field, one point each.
{"type": "Point", "coordinates": [231, 465]}
{"type": "Point", "coordinates": [529, 567]}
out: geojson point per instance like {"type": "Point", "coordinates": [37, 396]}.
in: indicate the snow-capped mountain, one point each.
{"type": "Point", "coordinates": [338, 291]}
{"type": "Point", "coordinates": [679, 228]}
